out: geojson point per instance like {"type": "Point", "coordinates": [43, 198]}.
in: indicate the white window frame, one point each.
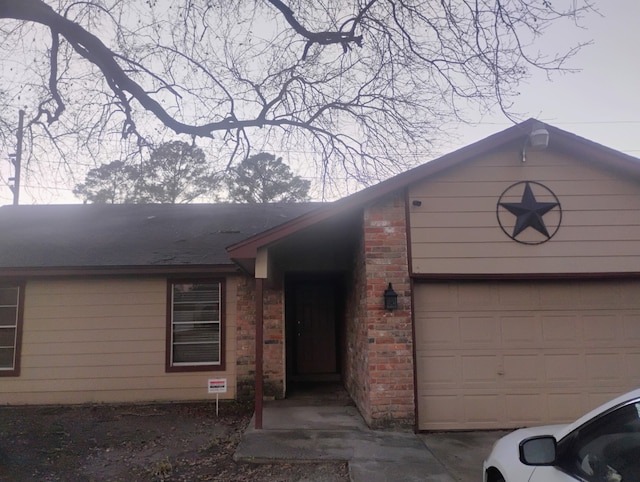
{"type": "Point", "coordinates": [16, 325]}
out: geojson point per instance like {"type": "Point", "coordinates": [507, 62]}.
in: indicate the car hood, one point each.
{"type": "Point", "coordinates": [524, 433]}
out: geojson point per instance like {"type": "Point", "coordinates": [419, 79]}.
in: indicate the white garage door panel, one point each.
{"type": "Point", "coordinates": [508, 354]}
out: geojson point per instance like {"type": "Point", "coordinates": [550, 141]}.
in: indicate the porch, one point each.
{"type": "Point", "coordinates": [320, 314]}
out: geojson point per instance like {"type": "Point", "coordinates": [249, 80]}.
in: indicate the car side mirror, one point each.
{"type": "Point", "coordinates": [538, 450]}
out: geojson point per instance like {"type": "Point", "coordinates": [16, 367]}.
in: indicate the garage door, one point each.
{"type": "Point", "coordinates": [510, 354]}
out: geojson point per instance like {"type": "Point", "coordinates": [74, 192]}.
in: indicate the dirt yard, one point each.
{"type": "Point", "coordinates": [167, 442]}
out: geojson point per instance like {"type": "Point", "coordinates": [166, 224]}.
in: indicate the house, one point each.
{"type": "Point", "coordinates": [515, 260]}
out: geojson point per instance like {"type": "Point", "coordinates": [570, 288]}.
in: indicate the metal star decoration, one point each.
{"type": "Point", "coordinates": [529, 212]}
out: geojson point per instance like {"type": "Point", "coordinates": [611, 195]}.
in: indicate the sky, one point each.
{"type": "Point", "coordinates": [601, 102]}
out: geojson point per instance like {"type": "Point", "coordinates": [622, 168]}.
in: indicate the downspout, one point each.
{"type": "Point", "coordinates": [259, 352]}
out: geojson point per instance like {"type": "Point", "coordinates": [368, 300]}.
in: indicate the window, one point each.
{"type": "Point", "coordinates": [605, 449]}
{"type": "Point", "coordinates": [10, 329]}
{"type": "Point", "coordinates": [195, 327]}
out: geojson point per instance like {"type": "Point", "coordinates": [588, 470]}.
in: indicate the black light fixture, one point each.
{"type": "Point", "coordinates": [390, 299]}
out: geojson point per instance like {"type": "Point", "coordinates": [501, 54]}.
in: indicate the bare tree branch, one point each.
{"type": "Point", "coordinates": [361, 88]}
{"type": "Point", "coordinates": [322, 38]}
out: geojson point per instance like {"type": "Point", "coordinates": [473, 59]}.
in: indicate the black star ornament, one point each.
{"type": "Point", "coordinates": [529, 212]}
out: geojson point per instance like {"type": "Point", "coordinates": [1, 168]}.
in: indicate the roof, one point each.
{"type": "Point", "coordinates": [132, 235]}
{"type": "Point", "coordinates": [561, 140]}
{"type": "Point", "coordinates": [161, 236]}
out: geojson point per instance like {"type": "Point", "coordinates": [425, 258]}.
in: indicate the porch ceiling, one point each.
{"type": "Point", "coordinates": [325, 246]}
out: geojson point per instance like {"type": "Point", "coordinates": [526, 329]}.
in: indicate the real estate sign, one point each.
{"type": "Point", "coordinates": [217, 385]}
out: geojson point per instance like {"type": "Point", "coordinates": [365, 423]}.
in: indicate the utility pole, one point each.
{"type": "Point", "coordinates": [16, 160]}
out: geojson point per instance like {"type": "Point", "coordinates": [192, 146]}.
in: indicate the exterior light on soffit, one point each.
{"type": "Point", "coordinates": [537, 140]}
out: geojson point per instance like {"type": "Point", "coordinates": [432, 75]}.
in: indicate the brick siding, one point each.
{"type": "Point", "coordinates": [379, 372]}
{"type": "Point", "coordinates": [246, 336]}
{"type": "Point", "coordinates": [273, 383]}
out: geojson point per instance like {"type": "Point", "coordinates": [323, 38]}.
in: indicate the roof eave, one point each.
{"type": "Point", "coordinates": [78, 271]}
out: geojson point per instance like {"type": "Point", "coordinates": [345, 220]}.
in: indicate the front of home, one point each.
{"type": "Point", "coordinates": [516, 269]}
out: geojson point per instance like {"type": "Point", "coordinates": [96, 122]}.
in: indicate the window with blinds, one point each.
{"type": "Point", "coordinates": [9, 328]}
{"type": "Point", "coordinates": [196, 324]}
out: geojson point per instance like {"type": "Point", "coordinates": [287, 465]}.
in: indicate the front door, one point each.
{"type": "Point", "coordinates": [313, 328]}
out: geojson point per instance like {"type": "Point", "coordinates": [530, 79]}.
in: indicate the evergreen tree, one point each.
{"type": "Point", "coordinates": [263, 178]}
{"type": "Point", "coordinates": [176, 172]}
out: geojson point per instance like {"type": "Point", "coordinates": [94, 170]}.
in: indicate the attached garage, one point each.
{"type": "Point", "coordinates": [498, 354]}
{"type": "Point", "coordinates": [526, 283]}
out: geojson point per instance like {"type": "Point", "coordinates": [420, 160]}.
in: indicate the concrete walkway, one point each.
{"type": "Point", "coordinates": [304, 433]}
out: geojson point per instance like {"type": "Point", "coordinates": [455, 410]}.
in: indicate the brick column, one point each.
{"type": "Point", "coordinates": [389, 334]}
{"type": "Point", "coordinates": [246, 338]}
{"type": "Point", "coordinates": [273, 366]}
{"type": "Point", "coordinates": [274, 356]}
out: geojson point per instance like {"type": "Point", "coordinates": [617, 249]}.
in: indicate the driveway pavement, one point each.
{"type": "Point", "coordinates": [462, 453]}
{"type": "Point", "coordinates": [315, 433]}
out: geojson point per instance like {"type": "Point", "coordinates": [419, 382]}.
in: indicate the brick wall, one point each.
{"type": "Point", "coordinates": [273, 366]}
{"type": "Point", "coordinates": [274, 343]}
{"type": "Point", "coordinates": [381, 365]}
{"type": "Point", "coordinates": [355, 372]}
{"type": "Point", "coordinates": [246, 336]}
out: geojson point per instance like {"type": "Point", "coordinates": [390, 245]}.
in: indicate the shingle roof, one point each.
{"type": "Point", "coordinates": [126, 235]}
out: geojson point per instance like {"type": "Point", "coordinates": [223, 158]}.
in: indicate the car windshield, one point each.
{"type": "Point", "coordinates": [607, 449]}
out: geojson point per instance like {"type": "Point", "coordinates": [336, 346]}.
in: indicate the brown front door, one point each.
{"type": "Point", "coordinates": [314, 329]}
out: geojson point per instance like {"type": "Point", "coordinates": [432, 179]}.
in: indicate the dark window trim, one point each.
{"type": "Point", "coordinates": [15, 372]}
{"type": "Point", "coordinates": [169, 368]}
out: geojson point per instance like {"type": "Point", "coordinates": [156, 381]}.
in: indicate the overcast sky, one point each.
{"type": "Point", "coordinates": [601, 102]}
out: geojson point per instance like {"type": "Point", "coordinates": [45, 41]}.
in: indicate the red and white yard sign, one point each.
{"type": "Point", "coordinates": [217, 385]}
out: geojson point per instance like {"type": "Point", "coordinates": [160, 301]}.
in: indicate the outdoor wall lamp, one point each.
{"type": "Point", "coordinates": [538, 139]}
{"type": "Point", "coordinates": [390, 299]}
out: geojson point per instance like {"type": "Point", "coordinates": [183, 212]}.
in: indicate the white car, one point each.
{"type": "Point", "coordinates": [602, 446]}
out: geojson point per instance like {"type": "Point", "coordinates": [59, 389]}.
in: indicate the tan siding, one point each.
{"type": "Point", "coordinates": [584, 249]}
{"type": "Point", "coordinates": [85, 312]}
{"type": "Point", "coordinates": [101, 383]}
{"type": "Point", "coordinates": [487, 234]}
{"type": "Point", "coordinates": [543, 265]}
{"type": "Point", "coordinates": [42, 360]}
{"type": "Point", "coordinates": [87, 337]}
{"type": "Point", "coordinates": [103, 340]}
{"type": "Point", "coordinates": [110, 396]}
{"type": "Point", "coordinates": [473, 187]}
{"type": "Point", "coordinates": [456, 230]}
{"type": "Point", "coordinates": [70, 322]}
